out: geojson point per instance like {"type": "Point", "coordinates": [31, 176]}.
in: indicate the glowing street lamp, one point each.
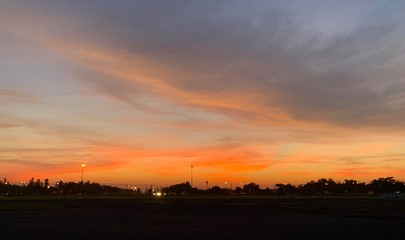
{"type": "Point", "coordinates": [22, 187]}
{"type": "Point", "coordinates": [83, 165]}
{"type": "Point", "coordinates": [191, 191]}
{"type": "Point", "coordinates": [81, 179]}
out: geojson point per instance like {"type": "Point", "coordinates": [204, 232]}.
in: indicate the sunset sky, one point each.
{"type": "Point", "coordinates": [245, 91]}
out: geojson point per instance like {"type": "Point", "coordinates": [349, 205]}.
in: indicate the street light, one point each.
{"type": "Point", "coordinates": [206, 190]}
{"type": "Point", "coordinates": [22, 187]}
{"type": "Point", "coordinates": [81, 179]}
{"type": "Point", "coordinates": [191, 191]}
{"type": "Point", "coordinates": [83, 165]}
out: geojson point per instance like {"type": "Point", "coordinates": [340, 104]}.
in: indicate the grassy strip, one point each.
{"type": "Point", "coordinates": [185, 197]}
{"type": "Point", "coordinates": [52, 202]}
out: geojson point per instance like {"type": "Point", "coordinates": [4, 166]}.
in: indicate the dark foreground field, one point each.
{"type": "Point", "coordinates": [201, 219]}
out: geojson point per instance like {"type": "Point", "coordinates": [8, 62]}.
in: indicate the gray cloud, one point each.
{"type": "Point", "coordinates": [128, 92]}
{"type": "Point", "coordinates": [338, 69]}
{"type": "Point", "coordinates": [14, 95]}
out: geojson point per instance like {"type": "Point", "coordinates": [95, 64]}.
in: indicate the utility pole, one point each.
{"type": "Point", "coordinates": [206, 190]}
{"type": "Point", "coordinates": [191, 191]}
{"type": "Point", "coordinates": [81, 179]}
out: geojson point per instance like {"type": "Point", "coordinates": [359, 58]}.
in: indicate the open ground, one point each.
{"type": "Point", "coordinates": [197, 218]}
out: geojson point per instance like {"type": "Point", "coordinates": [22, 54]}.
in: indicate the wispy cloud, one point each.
{"type": "Point", "coordinates": [14, 95]}
{"type": "Point", "coordinates": [260, 64]}
{"type": "Point", "coordinates": [350, 80]}
{"type": "Point", "coordinates": [375, 158]}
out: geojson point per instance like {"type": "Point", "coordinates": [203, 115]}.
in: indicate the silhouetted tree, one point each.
{"type": "Point", "coordinates": [216, 190]}
{"type": "Point", "coordinates": [386, 185]}
{"type": "Point", "coordinates": [251, 189]}
{"type": "Point", "coordinates": [285, 189]}
{"type": "Point", "coordinates": [238, 191]}
{"type": "Point", "coordinates": [178, 189]}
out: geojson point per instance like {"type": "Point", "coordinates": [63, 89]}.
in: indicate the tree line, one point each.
{"type": "Point", "coordinates": [323, 186]}
{"type": "Point", "coordinates": [39, 187]}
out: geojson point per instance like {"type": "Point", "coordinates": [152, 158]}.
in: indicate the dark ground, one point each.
{"type": "Point", "coordinates": [201, 219]}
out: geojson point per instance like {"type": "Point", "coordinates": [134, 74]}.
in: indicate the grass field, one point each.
{"type": "Point", "coordinates": [193, 217]}
{"type": "Point", "coordinates": [50, 202]}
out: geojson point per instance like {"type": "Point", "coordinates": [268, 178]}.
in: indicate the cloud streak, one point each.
{"type": "Point", "coordinates": [249, 70]}
{"type": "Point", "coordinates": [260, 63]}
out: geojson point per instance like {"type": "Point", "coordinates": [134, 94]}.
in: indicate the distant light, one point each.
{"type": "Point", "coordinates": [83, 165]}
{"type": "Point", "coordinates": [158, 194]}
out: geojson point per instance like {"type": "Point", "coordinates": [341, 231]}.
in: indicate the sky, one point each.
{"type": "Point", "coordinates": [244, 91]}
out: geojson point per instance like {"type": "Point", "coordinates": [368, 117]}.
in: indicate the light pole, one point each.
{"type": "Point", "coordinates": [191, 191]}
{"type": "Point", "coordinates": [206, 190]}
{"type": "Point", "coordinates": [81, 179]}
{"type": "Point", "coordinates": [22, 187]}
{"type": "Point", "coordinates": [83, 165]}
